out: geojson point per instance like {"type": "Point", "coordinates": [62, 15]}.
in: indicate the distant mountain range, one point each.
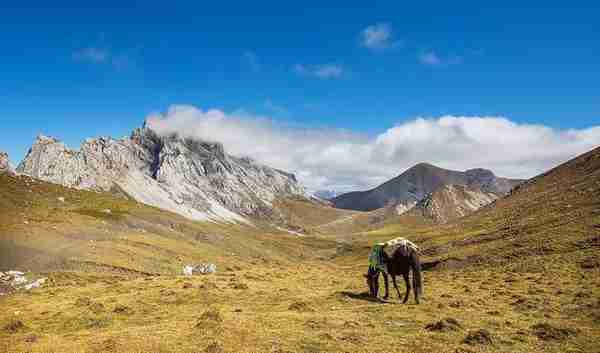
{"type": "Point", "coordinates": [196, 179]}
{"type": "Point", "coordinates": [417, 183]}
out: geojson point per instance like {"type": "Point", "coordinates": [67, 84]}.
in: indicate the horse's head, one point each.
{"type": "Point", "coordinates": [372, 283]}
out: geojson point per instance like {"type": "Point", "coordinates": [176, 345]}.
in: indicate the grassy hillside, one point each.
{"type": "Point", "coordinates": [48, 227]}
{"type": "Point", "coordinates": [520, 275]}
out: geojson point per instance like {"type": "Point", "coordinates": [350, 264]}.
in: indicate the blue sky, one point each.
{"type": "Point", "coordinates": [73, 71]}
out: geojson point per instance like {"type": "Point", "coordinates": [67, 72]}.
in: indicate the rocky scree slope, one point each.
{"type": "Point", "coordinates": [196, 179]}
{"type": "Point", "coordinates": [412, 186]}
{"type": "Point", "coordinates": [453, 201]}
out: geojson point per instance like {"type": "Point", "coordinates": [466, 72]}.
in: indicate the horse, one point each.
{"type": "Point", "coordinates": [403, 260]}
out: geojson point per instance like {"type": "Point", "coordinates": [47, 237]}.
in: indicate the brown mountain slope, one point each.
{"type": "Point", "coordinates": [552, 218]}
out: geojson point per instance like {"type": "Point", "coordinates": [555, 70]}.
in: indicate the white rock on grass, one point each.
{"type": "Point", "coordinates": [203, 269]}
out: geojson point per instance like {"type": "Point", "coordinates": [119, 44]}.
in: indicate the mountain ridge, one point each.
{"type": "Point", "coordinates": [413, 185]}
{"type": "Point", "coordinates": [193, 178]}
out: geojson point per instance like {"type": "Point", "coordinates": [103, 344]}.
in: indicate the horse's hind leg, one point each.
{"type": "Point", "coordinates": [385, 279]}
{"type": "Point", "coordinates": [407, 281]}
{"type": "Point", "coordinates": [396, 286]}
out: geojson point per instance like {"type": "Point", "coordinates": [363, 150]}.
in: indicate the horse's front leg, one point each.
{"type": "Point", "coordinates": [407, 281]}
{"type": "Point", "coordinates": [396, 286]}
{"type": "Point", "coordinates": [385, 280]}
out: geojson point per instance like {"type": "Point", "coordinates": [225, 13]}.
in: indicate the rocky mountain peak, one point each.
{"type": "Point", "coordinates": [195, 178]}
{"type": "Point", "coordinates": [413, 185]}
{"type": "Point", "coordinates": [45, 140]}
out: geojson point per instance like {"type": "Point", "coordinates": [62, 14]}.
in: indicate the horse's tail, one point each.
{"type": "Point", "coordinates": [417, 278]}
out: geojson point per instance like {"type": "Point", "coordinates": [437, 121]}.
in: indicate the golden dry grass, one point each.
{"type": "Point", "coordinates": [316, 307]}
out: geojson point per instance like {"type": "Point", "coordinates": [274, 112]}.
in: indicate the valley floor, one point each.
{"type": "Point", "coordinates": [312, 307]}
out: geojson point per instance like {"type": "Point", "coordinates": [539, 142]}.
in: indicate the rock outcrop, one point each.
{"type": "Point", "coordinates": [453, 201]}
{"type": "Point", "coordinates": [412, 186]}
{"type": "Point", "coordinates": [196, 179]}
{"type": "Point", "coordinates": [4, 163]}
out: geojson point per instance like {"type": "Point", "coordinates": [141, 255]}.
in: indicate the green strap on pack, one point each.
{"type": "Point", "coordinates": [376, 258]}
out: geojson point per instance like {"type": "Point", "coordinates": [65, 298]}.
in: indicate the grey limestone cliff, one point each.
{"type": "Point", "coordinates": [196, 179]}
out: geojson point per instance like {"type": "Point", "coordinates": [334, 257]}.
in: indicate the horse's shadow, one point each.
{"type": "Point", "coordinates": [366, 296]}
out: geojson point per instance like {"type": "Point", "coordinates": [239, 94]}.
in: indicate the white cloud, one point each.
{"type": "Point", "coordinates": [92, 54]}
{"type": "Point", "coordinates": [431, 58]}
{"type": "Point", "coordinates": [325, 71]}
{"type": "Point", "coordinates": [378, 36]}
{"type": "Point", "coordinates": [341, 160]}
{"type": "Point", "coordinates": [104, 56]}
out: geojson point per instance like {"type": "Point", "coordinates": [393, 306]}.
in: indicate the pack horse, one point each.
{"type": "Point", "coordinates": [404, 259]}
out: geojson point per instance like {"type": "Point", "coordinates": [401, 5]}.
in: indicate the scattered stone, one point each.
{"type": "Point", "coordinates": [326, 337]}
{"type": "Point", "coordinates": [524, 304]}
{"type": "Point", "coordinates": [353, 339]}
{"type": "Point", "coordinates": [12, 281]}
{"type": "Point", "coordinates": [14, 326]}
{"type": "Point", "coordinates": [455, 304]}
{"type": "Point", "coordinates": [240, 286]}
{"type": "Point", "coordinates": [83, 301]}
{"type": "Point", "coordinates": [96, 323]}
{"type": "Point", "coordinates": [482, 337]}
{"type": "Point", "coordinates": [314, 324]}
{"type": "Point", "coordinates": [97, 308]}
{"type": "Point", "coordinates": [444, 325]}
{"type": "Point", "coordinates": [187, 285]}
{"type": "Point", "coordinates": [35, 284]}
{"type": "Point", "coordinates": [202, 269]}
{"type": "Point", "coordinates": [107, 211]}
{"type": "Point", "coordinates": [547, 332]}
{"type": "Point", "coordinates": [351, 324]}
{"type": "Point", "coordinates": [300, 307]}
{"type": "Point", "coordinates": [211, 318]}
{"type": "Point", "coordinates": [123, 309]}
{"type": "Point", "coordinates": [31, 338]}
{"type": "Point", "coordinates": [61, 199]}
